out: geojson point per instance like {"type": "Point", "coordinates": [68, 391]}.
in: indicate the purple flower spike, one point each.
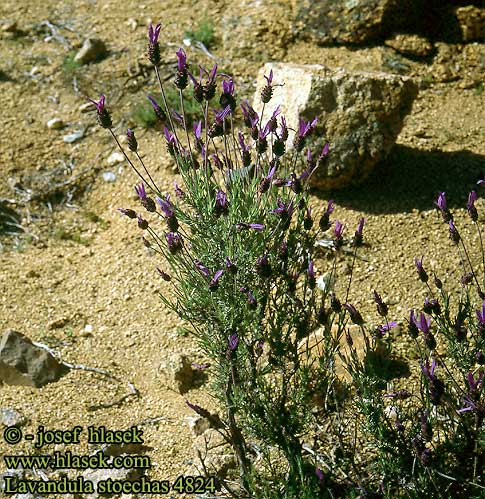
{"type": "Point", "coordinates": [159, 112]}
{"type": "Point", "coordinates": [454, 234]}
{"type": "Point", "coordinates": [153, 46]}
{"type": "Point", "coordinates": [131, 139]}
{"type": "Point", "coordinates": [324, 152]}
{"type": "Point", "coordinates": [104, 118]}
{"type": "Point", "coordinates": [441, 202]}
{"type": "Point", "coordinates": [382, 308]}
{"type": "Point", "coordinates": [178, 191]}
{"type": "Point", "coordinates": [99, 104]}
{"type": "Point", "coordinates": [355, 316]}
{"type": "Point", "coordinates": [171, 140]}
{"type": "Point", "coordinates": [244, 225]}
{"type": "Point", "coordinates": [164, 275]}
{"type": "Point", "coordinates": [230, 266]}
{"type": "Point", "coordinates": [222, 115]}
{"type": "Point", "coordinates": [472, 210]}
{"type": "Point", "coordinates": [386, 327]}
{"type": "Point", "coordinates": [174, 241]}
{"type": "Point", "coordinates": [202, 268]}
{"type": "Point", "coordinates": [320, 475]}
{"type": "Point", "coordinates": [142, 223]}
{"type": "Point", "coordinates": [423, 276]}
{"type": "Point", "coordinates": [198, 130]}
{"type": "Point", "coordinates": [228, 87]}
{"type": "Point", "coordinates": [251, 300]}
{"type": "Point", "coordinates": [249, 113]}
{"type": "Point", "coordinates": [127, 212]}
{"type": "Point", "coordinates": [324, 222]}
{"type": "Point", "coordinates": [338, 230]}
{"type": "Point", "coordinates": [481, 319]}
{"type": "Point", "coordinates": [222, 205]}
{"type": "Point", "coordinates": [436, 386]}
{"type": "Point", "coordinates": [311, 270]}
{"type": "Point", "coordinates": [153, 34]}
{"type": "Point", "coordinates": [474, 385]}
{"type": "Point", "coordinates": [442, 206]}
{"type": "Point", "coordinates": [269, 78]}
{"type": "Point", "coordinates": [305, 128]}
{"type": "Point", "coordinates": [166, 206]}
{"type": "Point", "coordinates": [178, 116]}
{"type": "Point", "coordinates": [181, 60]}
{"type": "Point", "coordinates": [233, 342]}
{"type": "Point", "coordinates": [214, 284]}
{"type": "Point", "coordinates": [424, 323]}
{"type": "Point", "coordinates": [472, 197]}
{"type": "Point", "coordinates": [358, 239]}
{"type": "Point", "coordinates": [267, 91]}
{"type": "Point", "coordinates": [140, 190]}
{"type": "Point", "coordinates": [200, 367]}
{"type": "Point", "coordinates": [429, 371]}
{"type": "Point", "coordinates": [283, 210]}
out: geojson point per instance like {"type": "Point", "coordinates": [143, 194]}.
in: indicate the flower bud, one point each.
{"type": "Point", "coordinates": [131, 139]}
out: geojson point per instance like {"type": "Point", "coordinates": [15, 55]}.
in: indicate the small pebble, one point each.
{"type": "Point", "coordinates": [11, 417]}
{"type": "Point", "coordinates": [9, 26]}
{"type": "Point", "coordinates": [55, 124]}
{"type": "Point", "coordinates": [109, 177]}
{"type": "Point", "coordinates": [73, 137]}
{"type": "Point", "coordinates": [115, 158]}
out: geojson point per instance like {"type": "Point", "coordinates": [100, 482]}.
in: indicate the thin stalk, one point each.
{"type": "Point", "coordinates": [128, 159]}
{"type": "Point", "coordinates": [483, 254]}
{"type": "Point", "coordinates": [148, 173]}
{"type": "Point", "coordinates": [470, 263]}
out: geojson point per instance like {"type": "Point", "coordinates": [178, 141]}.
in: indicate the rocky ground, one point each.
{"type": "Point", "coordinates": [79, 280]}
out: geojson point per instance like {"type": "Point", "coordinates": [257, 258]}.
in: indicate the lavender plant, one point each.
{"type": "Point", "coordinates": [431, 440]}
{"type": "Point", "coordinates": [237, 240]}
{"type": "Point", "coordinates": [238, 251]}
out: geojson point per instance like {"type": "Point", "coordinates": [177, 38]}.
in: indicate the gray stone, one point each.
{"type": "Point", "coordinates": [471, 21]}
{"type": "Point", "coordinates": [73, 137]}
{"type": "Point", "coordinates": [55, 124]}
{"type": "Point", "coordinates": [356, 22]}
{"type": "Point", "coordinates": [92, 50]}
{"type": "Point", "coordinates": [11, 417]}
{"type": "Point", "coordinates": [359, 114]}
{"type": "Point", "coordinates": [115, 157]}
{"type": "Point", "coordinates": [24, 364]}
{"type": "Point", "coordinates": [411, 45]}
{"type": "Point", "coordinates": [109, 177]}
{"type": "Point", "coordinates": [9, 26]}
{"type": "Point", "coordinates": [198, 424]}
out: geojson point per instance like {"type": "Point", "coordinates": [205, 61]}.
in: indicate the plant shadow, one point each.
{"type": "Point", "coordinates": [411, 179]}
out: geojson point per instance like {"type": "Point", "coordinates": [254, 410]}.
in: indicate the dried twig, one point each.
{"type": "Point", "coordinates": [132, 391]}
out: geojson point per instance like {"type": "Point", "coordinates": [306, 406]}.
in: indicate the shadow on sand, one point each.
{"type": "Point", "coordinates": [412, 179]}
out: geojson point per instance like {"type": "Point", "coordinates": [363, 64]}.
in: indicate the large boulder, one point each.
{"type": "Point", "coordinates": [359, 114]}
{"type": "Point", "coordinates": [257, 29]}
{"type": "Point", "coordinates": [356, 22]}
{"type": "Point", "coordinates": [23, 363]}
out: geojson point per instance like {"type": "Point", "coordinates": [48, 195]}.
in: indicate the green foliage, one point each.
{"type": "Point", "coordinates": [256, 318]}
{"type": "Point", "coordinates": [69, 65]}
{"type": "Point", "coordinates": [204, 33]}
